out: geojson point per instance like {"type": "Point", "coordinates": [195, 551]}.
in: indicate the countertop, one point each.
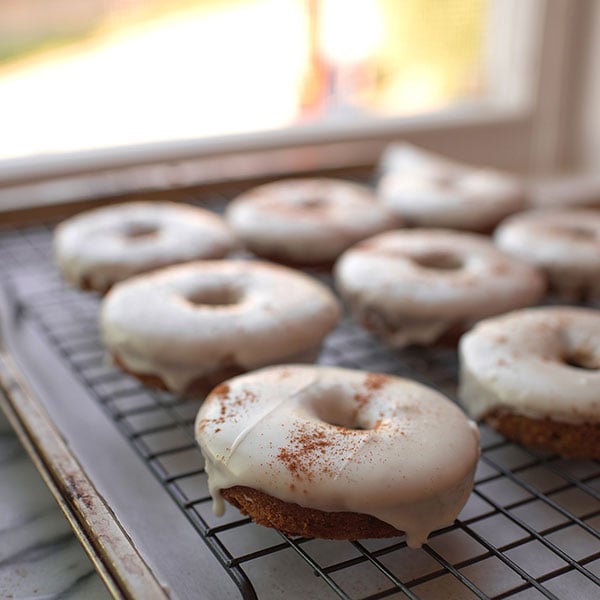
{"type": "Point", "coordinates": [40, 557]}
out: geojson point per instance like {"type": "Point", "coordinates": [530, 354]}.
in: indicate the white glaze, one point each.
{"type": "Point", "coordinates": [430, 191]}
{"type": "Point", "coordinates": [411, 466]}
{"type": "Point", "coordinates": [307, 221]}
{"type": "Point", "coordinates": [516, 362]}
{"type": "Point", "coordinates": [274, 314]}
{"type": "Point", "coordinates": [402, 157]}
{"type": "Point", "coordinates": [405, 302]}
{"type": "Point", "coordinates": [564, 243]}
{"type": "Point", "coordinates": [96, 246]}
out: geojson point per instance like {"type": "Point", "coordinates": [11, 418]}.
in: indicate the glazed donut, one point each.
{"type": "Point", "coordinates": [413, 286]}
{"type": "Point", "coordinates": [534, 375]}
{"type": "Point", "coordinates": [564, 243]}
{"type": "Point", "coordinates": [187, 327]}
{"type": "Point", "coordinates": [429, 191]}
{"type": "Point", "coordinates": [405, 158]}
{"type": "Point", "coordinates": [580, 190]}
{"type": "Point", "coordinates": [307, 222]}
{"type": "Point", "coordinates": [474, 201]}
{"type": "Point", "coordinates": [99, 247]}
{"type": "Point", "coordinates": [336, 453]}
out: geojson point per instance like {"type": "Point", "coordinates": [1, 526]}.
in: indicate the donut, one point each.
{"type": "Point", "coordinates": [416, 286]}
{"type": "Point", "coordinates": [99, 247]}
{"type": "Point", "coordinates": [337, 453]}
{"type": "Point", "coordinates": [307, 222]}
{"type": "Point", "coordinates": [534, 376]}
{"type": "Point", "coordinates": [185, 328]}
{"type": "Point", "coordinates": [474, 201]}
{"type": "Point", "coordinates": [579, 190]}
{"type": "Point", "coordinates": [429, 191]}
{"type": "Point", "coordinates": [564, 243]}
{"type": "Point", "coordinates": [402, 157]}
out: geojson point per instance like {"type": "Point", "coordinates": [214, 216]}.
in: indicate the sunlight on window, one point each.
{"type": "Point", "coordinates": [140, 72]}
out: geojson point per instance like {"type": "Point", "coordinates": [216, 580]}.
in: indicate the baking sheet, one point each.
{"type": "Point", "coordinates": [529, 530]}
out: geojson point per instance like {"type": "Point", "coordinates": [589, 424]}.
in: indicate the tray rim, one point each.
{"type": "Point", "coordinates": [117, 561]}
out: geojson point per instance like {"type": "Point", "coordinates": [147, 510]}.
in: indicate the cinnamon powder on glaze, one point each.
{"type": "Point", "coordinates": [313, 451]}
{"type": "Point", "coordinates": [372, 383]}
{"type": "Point", "coordinates": [229, 408]}
{"type": "Point", "coordinates": [375, 381]}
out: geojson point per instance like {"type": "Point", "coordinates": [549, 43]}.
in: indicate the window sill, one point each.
{"type": "Point", "coordinates": [463, 134]}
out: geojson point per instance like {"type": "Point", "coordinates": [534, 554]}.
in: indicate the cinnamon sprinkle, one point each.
{"type": "Point", "coordinates": [221, 391]}
{"type": "Point", "coordinates": [375, 381]}
{"type": "Point", "coordinates": [305, 446]}
{"type": "Point", "coordinates": [313, 452]}
{"type": "Point", "coordinates": [229, 407]}
{"type": "Point", "coordinates": [372, 383]}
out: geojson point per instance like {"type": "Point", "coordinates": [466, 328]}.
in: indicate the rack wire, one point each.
{"type": "Point", "coordinates": [529, 530]}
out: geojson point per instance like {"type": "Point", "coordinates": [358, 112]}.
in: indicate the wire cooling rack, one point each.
{"type": "Point", "coordinates": [529, 530]}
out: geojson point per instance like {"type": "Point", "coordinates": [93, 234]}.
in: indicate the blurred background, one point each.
{"type": "Point", "coordinates": [89, 73]}
{"type": "Point", "coordinates": [92, 85]}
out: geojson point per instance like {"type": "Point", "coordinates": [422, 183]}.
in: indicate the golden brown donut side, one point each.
{"type": "Point", "coordinates": [294, 519]}
{"type": "Point", "coordinates": [566, 439]}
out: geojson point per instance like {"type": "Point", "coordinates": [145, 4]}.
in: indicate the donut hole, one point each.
{"type": "Point", "coordinates": [439, 261]}
{"type": "Point", "coordinates": [582, 359]}
{"type": "Point", "coordinates": [335, 408]}
{"type": "Point", "coordinates": [342, 421]}
{"type": "Point", "coordinates": [580, 232]}
{"type": "Point", "coordinates": [134, 231]}
{"type": "Point", "coordinates": [221, 296]}
{"type": "Point", "coordinates": [312, 202]}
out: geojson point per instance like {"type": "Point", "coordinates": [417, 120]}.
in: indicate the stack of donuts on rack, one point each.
{"type": "Point", "coordinates": [434, 253]}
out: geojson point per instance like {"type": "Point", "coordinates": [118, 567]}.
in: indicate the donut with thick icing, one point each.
{"type": "Point", "coordinates": [474, 201]}
{"type": "Point", "coordinates": [190, 326]}
{"type": "Point", "coordinates": [307, 221]}
{"type": "Point", "coordinates": [563, 243]}
{"type": "Point", "coordinates": [534, 375]}
{"type": "Point", "coordinates": [414, 286]}
{"type": "Point", "coordinates": [337, 453]}
{"type": "Point", "coordinates": [428, 190]}
{"type": "Point", "coordinates": [97, 248]}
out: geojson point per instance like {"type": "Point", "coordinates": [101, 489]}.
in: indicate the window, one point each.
{"type": "Point", "coordinates": [124, 81]}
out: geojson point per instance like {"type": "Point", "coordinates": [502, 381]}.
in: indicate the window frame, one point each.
{"type": "Point", "coordinates": [524, 120]}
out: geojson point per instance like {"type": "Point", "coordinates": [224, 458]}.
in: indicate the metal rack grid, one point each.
{"type": "Point", "coordinates": [529, 530]}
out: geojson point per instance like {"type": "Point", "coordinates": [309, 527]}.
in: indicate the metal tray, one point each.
{"type": "Point", "coordinates": [122, 462]}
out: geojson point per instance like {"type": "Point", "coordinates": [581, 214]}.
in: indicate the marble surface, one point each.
{"type": "Point", "coordinates": [40, 557]}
